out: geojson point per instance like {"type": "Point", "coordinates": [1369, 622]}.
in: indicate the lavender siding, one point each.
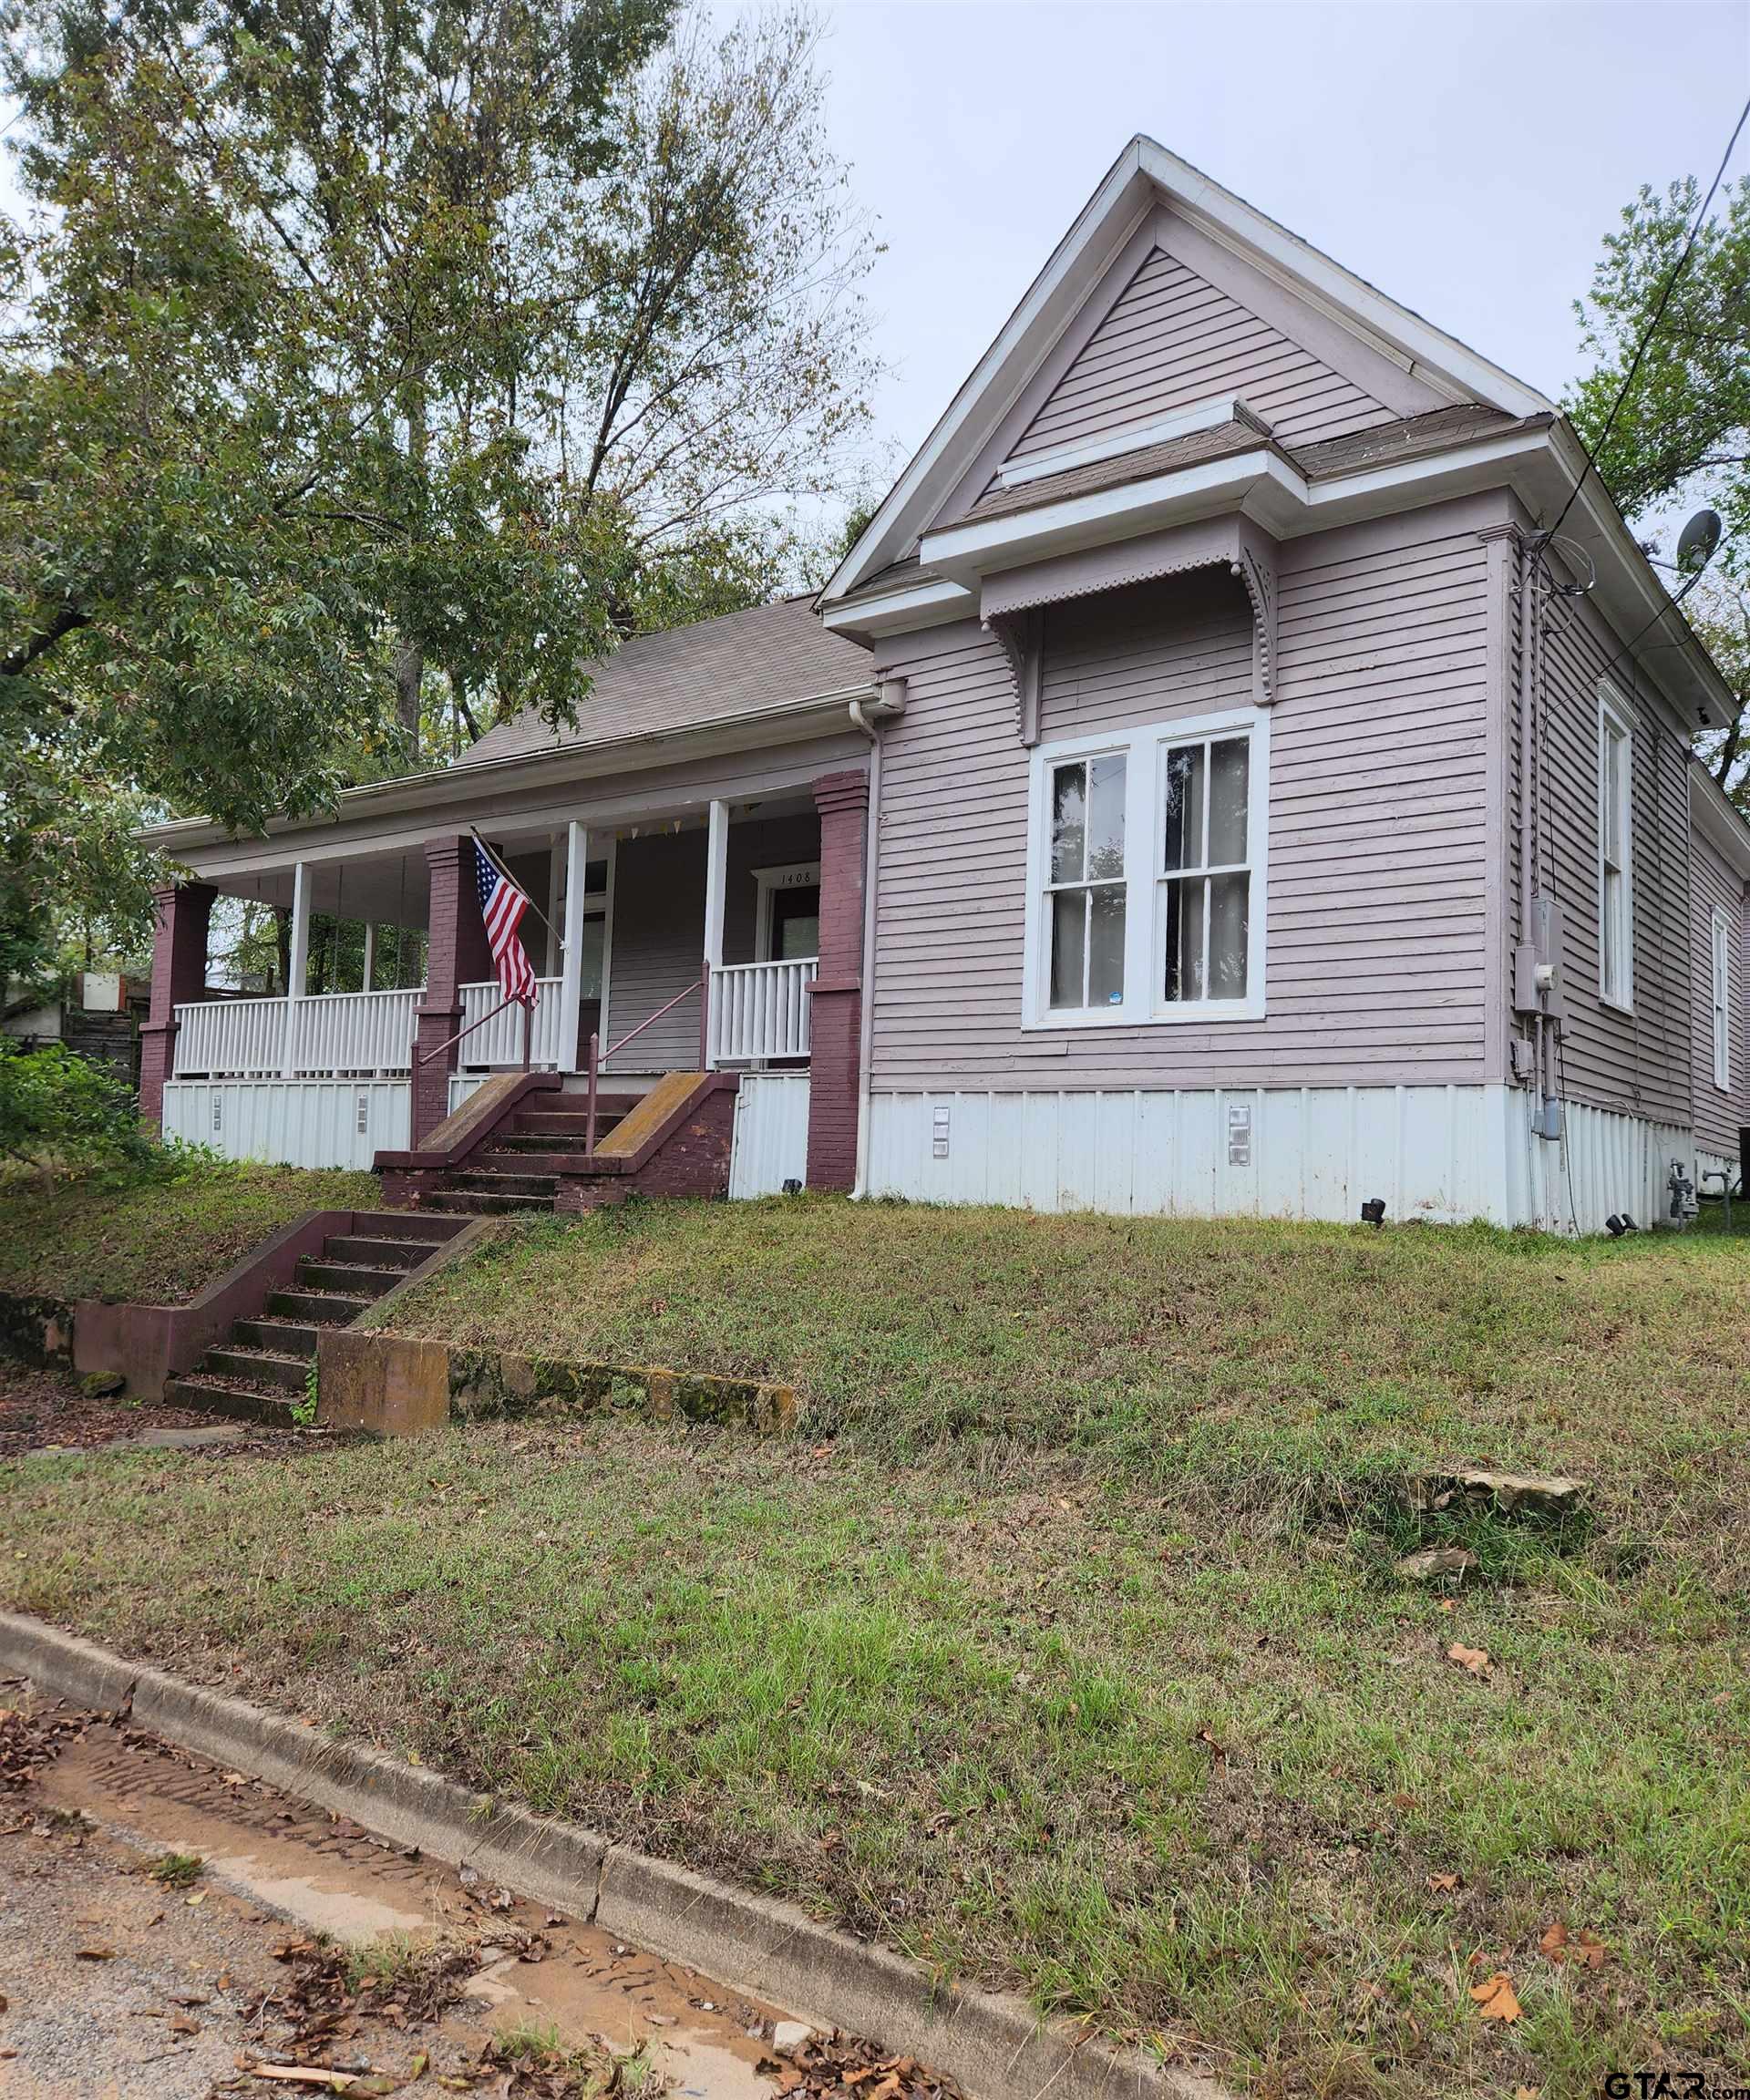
{"type": "Point", "coordinates": [658, 928]}
{"type": "Point", "coordinates": [1714, 888]}
{"type": "Point", "coordinates": [1174, 339]}
{"type": "Point", "coordinates": [1378, 795]}
{"type": "Point", "coordinates": [1637, 1064]}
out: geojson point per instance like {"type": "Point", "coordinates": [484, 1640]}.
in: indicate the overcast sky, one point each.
{"type": "Point", "coordinates": [1468, 159]}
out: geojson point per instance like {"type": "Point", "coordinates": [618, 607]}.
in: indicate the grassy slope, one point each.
{"type": "Point", "coordinates": [158, 1235]}
{"type": "Point", "coordinates": [1075, 1656]}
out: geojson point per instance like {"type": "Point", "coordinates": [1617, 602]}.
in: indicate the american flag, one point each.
{"type": "Point", "coordinates": [502, 905]}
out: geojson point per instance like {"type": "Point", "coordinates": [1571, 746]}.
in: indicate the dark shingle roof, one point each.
{"type": "Point", "coordinates": [1195, 448]}
{"type": "Point", "coordinates": [1385, 443]}
{"type": "Point", "coordinates": [690, 678]}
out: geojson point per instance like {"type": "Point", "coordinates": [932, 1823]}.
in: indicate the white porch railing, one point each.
{"type": "Point", "coordinates": [362, 1031]}
{"type": "Point", "coordinates": [759, 1010]}
{"type": "Point", "coordinates": [354, 1032]}
{"type": "Point", "coordinates": [499, 1042]}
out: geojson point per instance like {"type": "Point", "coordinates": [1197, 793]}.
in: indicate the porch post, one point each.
{"type": "Point", "coordinates": [455, 955]}
{"type": "Point", "coordinates": [716, 872]}
{"type": "Point", "coordinates": [370, 953]}
{"type": "Point", "coordinates": [835, 1025]}
{"type": "Point", "coordinates": [298, 964]}
{"type": "Point", "coordinates": [571, 967]}
{"type": "Point", "coordinates": [179, 978]}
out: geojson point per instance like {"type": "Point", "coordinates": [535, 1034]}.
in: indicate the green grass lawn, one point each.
{"type": "Point", "coordinates": [156, 1233]}
{"type": "Point", "coordinates": [1062, 1647]}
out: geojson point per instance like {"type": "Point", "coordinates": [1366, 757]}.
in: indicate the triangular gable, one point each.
{"type": "Point", "coordinates": [1174, 340]}
{"type": "Point", "coordinates": [1151, 198]}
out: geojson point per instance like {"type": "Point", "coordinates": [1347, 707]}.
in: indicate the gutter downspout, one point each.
{"type": "Point", "coordinates": [891, 705]}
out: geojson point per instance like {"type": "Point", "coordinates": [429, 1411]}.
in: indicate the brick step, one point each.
{"type": "Point", "coordinates": [257, 1367]}
{"type": "Point", "coordinates": [565, 1122]}
{"type": "Point", "coordinates": [278, 1337]}
{"type": "Point", "coordinates": [370, 1253]}
{"type": "Point", "coordinates": [405, 1225]}
{"type": "Point", "coordinates": [543, 1164]}
{"type": "Point", "coordinates": [484, 1182]}
{"type": "Point", "coordinates": [471, 1203]}
{"type": "Point", "coordinates": [355, 1279]}
{"type": "Point", "coordinates": [321, 1308]}
{"type": "Point", "coordinates": [236, 1403]}
{"type": "Point", "coordinates": [549, 1142]}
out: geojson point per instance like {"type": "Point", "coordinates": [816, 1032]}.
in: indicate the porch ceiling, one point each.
{"type": "Point", "coordinates": [387, 889]}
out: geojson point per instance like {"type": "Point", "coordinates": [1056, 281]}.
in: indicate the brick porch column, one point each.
{"type": "Point", "coordinates": [179, 979]}
{"type": "Point", "coordinates": [455, 955]}
{"type": "Point", "coordinates": [835, 1023]}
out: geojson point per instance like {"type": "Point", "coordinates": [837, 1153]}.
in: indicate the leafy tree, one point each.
{"type": "Point", "coordinates": [57, 1109]}
{"type": "Point", "coordinates": [1683, 434]}
{"type": "Point", "coordinates": [381, 363]}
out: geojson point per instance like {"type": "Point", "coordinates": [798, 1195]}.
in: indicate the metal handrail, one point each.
{"type": "Point", "coordinates": [614, 1050]}
{"type": "Point", "coordinates": [450, 1042]}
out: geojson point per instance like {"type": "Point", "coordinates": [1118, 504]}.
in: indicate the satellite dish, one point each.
{"type": "Point", "coordinates": [1697, 542]}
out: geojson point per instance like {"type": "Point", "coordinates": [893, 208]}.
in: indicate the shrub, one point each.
{"type": "Point", "coordinates": [58, 1109]}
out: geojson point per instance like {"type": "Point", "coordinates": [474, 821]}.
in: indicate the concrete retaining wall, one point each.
{"type": "Point", "coordinates": [401, 1386]}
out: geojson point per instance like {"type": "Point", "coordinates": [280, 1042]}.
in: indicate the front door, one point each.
{"type": "Point", "coordinates": [789, 914]}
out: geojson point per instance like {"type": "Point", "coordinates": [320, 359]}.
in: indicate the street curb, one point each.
{"type": "Point", "coordinates": [995, 2046]}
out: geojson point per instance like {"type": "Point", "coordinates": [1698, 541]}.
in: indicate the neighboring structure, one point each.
{"type": "Point", "coordinates": [1265, 816]}
{"type": "Point", "coordinates": [99, 1018]}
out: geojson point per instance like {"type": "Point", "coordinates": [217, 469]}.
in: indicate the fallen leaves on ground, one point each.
{"type": "Point", "coordinates": [1584, 1949]}
{"type": "Point", "coordinates": [1443, 1884]}
{"type": "Point", "coordinates": [27, 1743]}
{"type": "Point", "coordinates": [1496, 1998]}
{"type": "Point", "coordinates": [838, 2064]}
{"type": "Point", "coordinates": [1474, 1660]}
{"type": "Point", "coordinates": [519, 2068]}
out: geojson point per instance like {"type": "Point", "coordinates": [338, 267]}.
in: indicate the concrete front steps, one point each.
{"type": "Point", "coordinates": [533, 1155]}
{"type": "Point", "coordinates": [260, 1372]}
{"type": "Point", "coordinates": [519, 1166]}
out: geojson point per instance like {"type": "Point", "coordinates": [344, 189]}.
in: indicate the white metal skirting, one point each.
{"type": "Point", "coordinates": [1604, 1163]}
{"type": "Point", "coordinates": [463, 1084]}
{"type": "Point", "coordinates": [1443, 1154]}
{"type": "Point", "coordinates": [302, 1122]}
{"type": "Point", "coordinates": [771, 1140]}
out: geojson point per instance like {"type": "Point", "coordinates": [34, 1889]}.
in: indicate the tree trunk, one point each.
{"type": "Point", "coordinates": [409, 676]}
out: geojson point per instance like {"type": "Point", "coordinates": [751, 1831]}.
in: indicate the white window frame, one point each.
{"type": "Point", "coordinates": [1720, 961]}
{"type": "Point", "coordinates": [1616, 723]}
{"type": "Point", "coordinates": [1144, 752]}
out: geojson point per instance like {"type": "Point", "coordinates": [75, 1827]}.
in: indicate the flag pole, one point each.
{"type": "Point", "coordinates": [510, 878]}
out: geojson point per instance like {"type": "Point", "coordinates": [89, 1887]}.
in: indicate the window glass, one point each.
{"type": "Point", "coordinates": [1105, 946]}
{"type": "Point", "coordinates": [1229, 787]}
{"type": "Point", "coordinates": [1068, 822]}
{"type": "Point", "coordinates": [1068, 946]}
{"type": "Point", "coordinates": [1228, 900]}
{"type": "Point", "coordinates": [1105, 818]}
{"type": "Point", "coordinates": [1184, 807]}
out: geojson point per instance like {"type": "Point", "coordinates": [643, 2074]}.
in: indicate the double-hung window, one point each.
{"type": "Point", "coordinates": [1615, 849]}
{"type": "Point", "coordinates": [1721, 943]}
{"type": "Point", "coordinates": [1146, 899]}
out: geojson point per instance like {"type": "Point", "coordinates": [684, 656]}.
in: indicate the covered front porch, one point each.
{"type": "Point", "coordinates": [668, 933]}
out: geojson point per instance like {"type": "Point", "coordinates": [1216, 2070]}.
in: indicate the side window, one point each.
{"type": "Point", "coordinates": [1721, 974]}
{"type": "Point", "coordinates": [1615, 849]}
{"type": "Point", "coordinates": [1147, 853]}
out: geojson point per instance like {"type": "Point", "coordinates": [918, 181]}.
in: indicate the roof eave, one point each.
{"type": "Point", "coordinates": [784, 722]}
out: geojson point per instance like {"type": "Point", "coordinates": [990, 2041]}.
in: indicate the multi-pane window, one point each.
{"type": "Point", "coordinates": [1722, 955]}
{"type": "Point", "coordinates": [1203, 906]}
{"type": "Point", "coordinates": [1147, 895]}
{"type": "Point", "coordinates": [1087, 888]}
{"type": "Point", "coordinates": [1615, 851]}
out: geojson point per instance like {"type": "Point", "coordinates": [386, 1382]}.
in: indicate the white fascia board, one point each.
{"type": "Point", "coordinates": [1345, 297]}
{"type": "Point", "coordinates": [1201, 415]}
{"type": "Point", "coordinates": [929, 605]}
{"type": "Point", "coordinates": [1101, 226]}
{"type": "Point", "coordinates": [1718, 820]}
{"type": "Point", "coordinates": [970, 550]}
{"type": "Point", "coordinates": [408, 797]}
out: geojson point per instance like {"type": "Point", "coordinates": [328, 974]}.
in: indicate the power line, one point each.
{"type": "Point", "coordinates": [1647, 334]}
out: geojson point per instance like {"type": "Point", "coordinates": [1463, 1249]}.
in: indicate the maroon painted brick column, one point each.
{"type": "Point", "coordinates": [835, 1023]}
{"type": "Point", "coordinates": [179, 978]}
{"type": "Point", "coordinates": [455, 955]}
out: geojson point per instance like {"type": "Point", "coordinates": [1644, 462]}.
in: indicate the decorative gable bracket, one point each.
{"type": "Point", "coordinates": [1011, 603]}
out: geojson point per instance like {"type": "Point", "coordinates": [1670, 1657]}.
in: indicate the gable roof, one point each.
{"type": "Point", "coordinates": [756, 662]}
{"type": "Point", "coordinates": [1144, 175]}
